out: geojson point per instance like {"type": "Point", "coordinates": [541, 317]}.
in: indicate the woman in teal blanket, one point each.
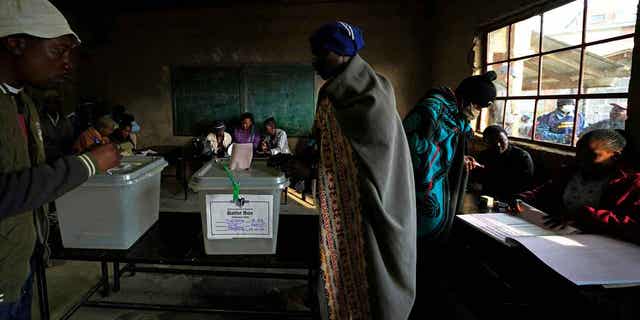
{"type": "Point", "coordinates": [437, 129]}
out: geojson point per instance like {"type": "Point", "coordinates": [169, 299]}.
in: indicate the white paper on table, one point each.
{"type": "Point", "coordinates": [501, 226]}
{"type": "Point", "coordinates": [228, 220]}
{"type": "Point", "coordinates": [241, 156]}
{"type": "Point", "coordinates": [536, 216]}
{"type": "Point", "coordinates": [587, 259]}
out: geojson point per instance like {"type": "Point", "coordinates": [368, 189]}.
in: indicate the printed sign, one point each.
{"type": "Point", "coordinates": [251, 218]}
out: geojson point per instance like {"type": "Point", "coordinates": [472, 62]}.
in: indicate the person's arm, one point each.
{"type": "Point", "coordinates": [83, 142]}
{"type": "Point", "coordinates": [33, 187]}
{"type": "Point", "coordinates": [526, 171]}
{"type": "Point", "coordinates": [543, 132]}
{"type": "Point", "coordinates": [281, 144]}
{"type": "Point", "coordinates": [257, 139]}
{"type": "Point", "coordinates": [420, 126]}
{"type": "Point", "coordinates": [623, 220]}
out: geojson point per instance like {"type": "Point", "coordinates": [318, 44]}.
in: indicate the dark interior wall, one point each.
{"type": "Point", "coordinates": [133, 66]}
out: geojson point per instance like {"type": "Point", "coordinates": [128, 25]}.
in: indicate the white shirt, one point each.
{"type": "Point", "coordinates": [279, 143]}
{"type": "Point", "coordinates": [212, 142]}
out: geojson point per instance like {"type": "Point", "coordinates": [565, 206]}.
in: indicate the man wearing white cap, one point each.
{"type": "Point", "coordinates": [35, 48]}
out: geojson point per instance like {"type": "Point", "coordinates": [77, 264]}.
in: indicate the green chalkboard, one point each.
{"type": "Point", "coordinates": [202, 95]}
{"type": "Point", "coordinates": [283, 92]}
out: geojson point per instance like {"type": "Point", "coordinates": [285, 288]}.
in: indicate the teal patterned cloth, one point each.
{"type": "Point", "coordinates": [434, 129]}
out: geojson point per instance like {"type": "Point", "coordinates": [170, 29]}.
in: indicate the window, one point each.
{"type": "Point", "coordinates": [562, 72]}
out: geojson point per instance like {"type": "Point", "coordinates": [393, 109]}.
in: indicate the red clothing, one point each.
{"type": "Point", "coordinates": [23, 125]}
{"type": "Point", "coordinates": [618, 212]}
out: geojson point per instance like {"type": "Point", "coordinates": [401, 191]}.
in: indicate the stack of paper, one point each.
{"type": "Point", "coordinates": [584, 259]}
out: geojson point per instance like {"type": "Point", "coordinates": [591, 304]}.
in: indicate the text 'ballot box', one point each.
{"type": "Point", "coordinates": [247, 223]}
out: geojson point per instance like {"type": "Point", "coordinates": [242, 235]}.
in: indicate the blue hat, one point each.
{"type": "Point", "coordinates": [338, 37]}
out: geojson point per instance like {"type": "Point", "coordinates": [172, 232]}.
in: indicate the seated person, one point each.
{"type": "Point", "coordinates": [599, 194]}
{"type": "Point", "coordinates": [507, 170]}
{"type": "Point", "coordinates": [218, 141]}
{"type": "Point", "coordinates": [246, 132]}
{"type": "Point", "coordinates": [275, 140]}
{"type": "Point", "coordinates": [95, 135]}
{"type": "Point", "coordinates": [122, 136]}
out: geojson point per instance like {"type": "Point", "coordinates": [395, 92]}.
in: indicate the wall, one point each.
{"type": "Point", "coordinates": [133, 68]}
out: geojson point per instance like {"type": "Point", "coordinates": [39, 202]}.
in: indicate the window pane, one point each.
{"type": "Point", "coordinates": [554, 120]}
{"type": "Point", "coordinates": [524, 77]}
{"type": "Point", "coordinates": [610, 18]}
{"type": "Point", "coordinates": [501, 80]}
{"type": "Point", "coordinates": [525, 37]}
{"type": "Point", "coordinates": [497, 45]}
{"type": "Point", "coordinates": [607, 67]}
{"type": "Point", "coordinates": [603, 114]}
{"type": "Point", "coordinates": [493, 115]}
{"type": "Point", "coordinates": [518, 118]}
{"type": "Point", "coordinates": [560, 72]}
{"type": "Point", "coordinates": [562, 27]}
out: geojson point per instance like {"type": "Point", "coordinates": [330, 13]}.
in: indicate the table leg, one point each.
{"type": "Point", "coordinates": [185, 182]}
{"type": "Point", "coordinates": [41, 279]}
{"type": "Point", "coordinates": [116, 276]}
{"type": "Point", "coordinates": [105, 278]}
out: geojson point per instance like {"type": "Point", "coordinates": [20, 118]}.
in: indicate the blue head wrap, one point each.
{"type": "Point", "coordinates": [338, 37]}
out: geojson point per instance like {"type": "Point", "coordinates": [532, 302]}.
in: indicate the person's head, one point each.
{"type": "Point", "coordinates": [598, 151]}
{"type": "Point", "coordinates": [618, 112]}
{"type": "Point", "coordinates": [105, 125]}
{"type": "Point", "coordinates": [125, 126]}
{"type": "Point", "coordinates": [270, 126]}
{"type": "Point", "coordinates": [246, 121]}
{"type": "Point", "coordinates": [496, 138]}
{"type": "Point", "coordinates": [475, 93]}
{"type": "Point", "coordinates": [52, 102]}
{"type": "Point", "coordinates": [525, 118]}
{"type": "Point", "coordinates": [333, 45]}
{"type": "Point", "coordinates": [566, 106]}
{"type": "Point", "coordinates": [219, 127]}
{"type": "Point", "coordinates": [35, 43]}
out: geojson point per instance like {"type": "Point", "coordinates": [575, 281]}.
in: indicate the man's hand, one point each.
{"type": "Point", "coordinates": [470, 163]}
{"type": "Point", "coordinates": [264, 147]}
{"type": "Point", "coordinates": [106, 157]}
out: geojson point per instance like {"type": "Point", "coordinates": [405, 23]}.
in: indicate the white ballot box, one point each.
{"type": "Point", "coordinates": [248, 225]}
{"type": "Point", "coordinates": [112, 210]}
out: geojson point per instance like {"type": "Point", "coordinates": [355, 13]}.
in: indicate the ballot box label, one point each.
{"type": "Point", "coordinates": [250, 218]}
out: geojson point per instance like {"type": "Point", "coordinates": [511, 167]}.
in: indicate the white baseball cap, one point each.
{"type": "Point", "coordinates": [38, 18]}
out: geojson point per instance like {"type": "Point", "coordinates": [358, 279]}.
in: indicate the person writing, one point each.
{"type": "Point", "coordinates": [96, 135]}
{"type": "Point", "coordinates": [35, 49]}
{"type": "Point", "coordinates": [218, 141]}
{"type": "Point", "coordinates": [508, 169]}
{"type": "Point", "coordinates": [275, 141]}
{"type": "Point", "coordinates": [246, 132]}
{"type": "Point", "coordinates": [598, 194]}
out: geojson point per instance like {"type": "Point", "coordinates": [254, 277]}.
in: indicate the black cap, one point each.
{"type": "Point", "coordinates": [478, 89]}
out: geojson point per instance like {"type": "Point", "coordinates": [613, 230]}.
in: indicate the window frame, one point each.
{"type": "Point", "coordinates": [539, 9]}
